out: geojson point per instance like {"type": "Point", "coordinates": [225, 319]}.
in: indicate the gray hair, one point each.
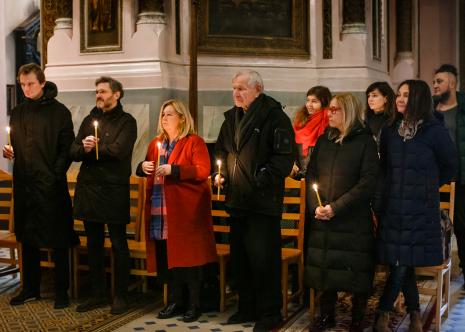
{"type": "Point", "coordinates": [254, 77]}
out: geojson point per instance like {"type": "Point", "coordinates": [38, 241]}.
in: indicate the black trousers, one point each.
{"type": "Point", "coordinates": [328, 301]}
{"type": "Point", "coordinates": [179, 279]}
{"type": "Point", "coordinates": [32, 273]}
{"type": "Point", "coordinates": [459, 222]}
{"type": "Point", "coordinates": [119, 245]}
{"type": "Point", "coordinates": [255, 242]}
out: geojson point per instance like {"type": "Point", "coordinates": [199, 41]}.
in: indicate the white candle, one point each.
{"type": "Point", "coordinates": [158, 157]}
{"type": "Point", "coordinates": [218, 162]}
{"type": "Point", "coordinates": [96, 139]}
{"type": "Point", "coordinates": [8, 129]}
{"type": "Point", "coordinates": [315, 187]}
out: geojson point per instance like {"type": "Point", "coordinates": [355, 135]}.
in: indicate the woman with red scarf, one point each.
{"type": "Point", "coordinates": [309, 123]}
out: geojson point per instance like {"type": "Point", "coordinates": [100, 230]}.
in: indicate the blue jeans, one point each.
{"type": "Point", "coordinates": [401, 278]}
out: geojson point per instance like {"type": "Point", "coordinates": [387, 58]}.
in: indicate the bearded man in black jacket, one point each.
{"type": "Point", "coordinates": [41, 134]}
{"type": "Point", "coordinates": [256, 146]}
{"type": "Point", "coordinates": [102, 189]}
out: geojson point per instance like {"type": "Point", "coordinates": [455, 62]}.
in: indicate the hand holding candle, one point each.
{"type": "Point", "coordinates": [315, 187]}
{"type": "Point", "coordinates": [218, 162]}
{"type": "Point", "coordinates": [96, 139]}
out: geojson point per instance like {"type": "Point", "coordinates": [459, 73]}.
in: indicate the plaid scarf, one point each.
{"type": "Point", "coordinates": [158, 227]}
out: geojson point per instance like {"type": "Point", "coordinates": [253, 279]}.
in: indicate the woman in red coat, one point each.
{"type": "Point", "coordinates": [178, 208]}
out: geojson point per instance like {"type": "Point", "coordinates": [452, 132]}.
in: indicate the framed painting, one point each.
{"type": "Point", "coordinates": [101, 25]}
{"type": "Point", "coordinates": [254, 27]}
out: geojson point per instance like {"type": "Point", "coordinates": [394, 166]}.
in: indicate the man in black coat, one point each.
{"type": "Point", "coordinates": [256, 146]}
{"type": "Point", "coordinates": [102, 189]}
{"type": "Point", "coordinates": [41, 134]}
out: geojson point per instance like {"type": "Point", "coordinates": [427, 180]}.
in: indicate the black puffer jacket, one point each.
{"type": "Point", "coordinates": [341, 251]}
{"type": "Point", "coordinates": [407, 199]}
{"type": "Point", "coordinates": [41, 134]}
{"type": "Point", "coordinates": [102, 189]}
{"type": "Point", "coordinates": [255, 167]}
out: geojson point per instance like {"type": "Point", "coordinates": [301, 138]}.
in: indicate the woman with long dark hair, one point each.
{"type": "Point", "coordinates": [417, 156]}
{"type": "Point", "coordinates": [380, 108]}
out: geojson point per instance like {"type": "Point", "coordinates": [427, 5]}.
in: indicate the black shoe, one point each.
{"type": "Point", "coordinates": [323, 323]}
{"type": "Point", "coordinates": [25, 296]}
{"type": "Point", "coordinates": [171, 310]}
{"type": "Point", "coordinates": [61, 300]}
{"type": "Point", "coordinates": [92, 303]}
{"type": "Point", "coordinates": [191, 315]}
{"type": "Point", "coordinates": [119, 306]}
{"type": "Point", "coordinates": [240, 317]}
{"type": "Point", "coordinates": [268, 323]}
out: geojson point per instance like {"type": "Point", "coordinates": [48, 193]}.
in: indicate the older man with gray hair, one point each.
{"type": "Point", "coordinates": [256, 145]}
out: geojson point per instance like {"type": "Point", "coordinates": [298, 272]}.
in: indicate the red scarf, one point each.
{"type": "Point", "coordinates": [309, 133]}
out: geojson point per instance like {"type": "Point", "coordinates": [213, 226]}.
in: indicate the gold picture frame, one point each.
{"type": "Point", "coordinates": [101, 25]}
{"type": "Point", "coordinates": [251, 27]}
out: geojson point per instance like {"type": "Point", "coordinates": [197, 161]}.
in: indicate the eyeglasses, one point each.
{"type": "Point", "coordinates": [333, 110]}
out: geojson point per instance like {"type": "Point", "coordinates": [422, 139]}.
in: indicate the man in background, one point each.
{"type": "Point", "coordinates": [449, 107]}
{"type": "Point", "coordinates": [102, 189]}
{"type": "Point", "coordinates": [41, 134]}
{"type": "Point", "coordinates": [256, 145]}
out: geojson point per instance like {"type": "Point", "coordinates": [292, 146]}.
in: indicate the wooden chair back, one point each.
{"type": "Point", "coordinates": [447, 200]}
{"type": "Point", "coordinates": [294, 211]}
{"type": "Point", "coordinates": [6, 202]}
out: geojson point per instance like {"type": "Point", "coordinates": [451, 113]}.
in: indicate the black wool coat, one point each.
{"type": "Point", "coordinates": [102, 188]}
{"type": "Point", "coordinates": [258, 159]}
{"type": "Point", "coordinates": [341, 251]}
{"type": "Point", "coordinates": [407, 198]}
{"type": "Point", "coordinates": [41, 134]}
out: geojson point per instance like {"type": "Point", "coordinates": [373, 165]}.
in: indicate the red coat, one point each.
{"type": "Point", "coordinates": [191, 240]}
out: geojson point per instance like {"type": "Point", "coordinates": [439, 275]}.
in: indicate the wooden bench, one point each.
{"type": "Point", "coordinates": [7, 236]}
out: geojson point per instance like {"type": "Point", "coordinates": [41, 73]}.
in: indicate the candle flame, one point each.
{"type": "Point", "coordinates": [8, 129]}
{"type": "Point", "coordinates": [95, 124]}
{"type": "Point", "coordinates": [218, 162]}
{"type": "Point", "coordinates": [315, 187]}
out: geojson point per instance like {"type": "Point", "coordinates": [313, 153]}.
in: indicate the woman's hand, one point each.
{"type": "Point", "coordinates": [148, 167]}
{"type": "Point", "coordinates": [163, 170]}
{"type": "Point", "coordinates": [216, 184]}
{"type": "Point", "coordinates": [294, 171]}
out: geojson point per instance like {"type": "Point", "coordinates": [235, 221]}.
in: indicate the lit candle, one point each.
{"type": "Point", "coordinates": [96, 139]}
{"type": "Point", "coordinates": [218, 162]}
{"type": "Point", "coordinates": [8, 129]}
{"type": "Point", "coordinates": [315, 187]}
{"type": "Point", "coordinates": [158, 157]}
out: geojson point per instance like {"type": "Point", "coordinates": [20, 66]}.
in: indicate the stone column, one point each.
{"type": "Point", "coordinates": [353, 16]}
{"type": "Point", "coordinates": [404, 62]}
{"type": "Point", "coordinates": [151, 12]}
{"type": "Point", "coordinates": [404, 29]}
{"type": "Point", "coordinates": [55, 15]}
{"type": "Point", "coordinates": [64, 16]}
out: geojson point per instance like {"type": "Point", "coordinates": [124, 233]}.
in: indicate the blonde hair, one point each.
{"type": "Point", "coordinates": [351, 115]}
{"type": "Point", "coordinates": [186, 123]}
